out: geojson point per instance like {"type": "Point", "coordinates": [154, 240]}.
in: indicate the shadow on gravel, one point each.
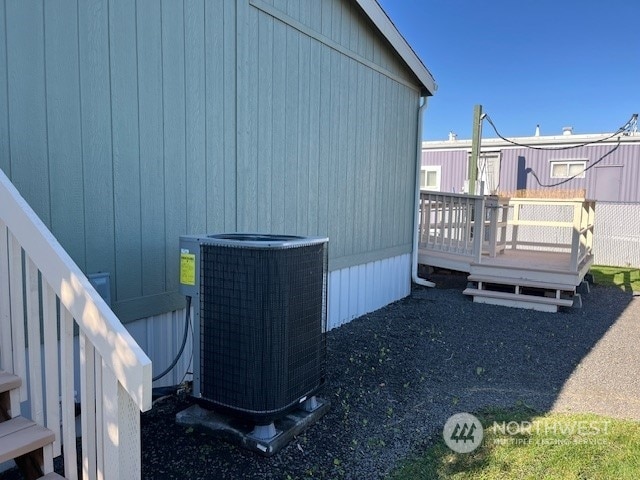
{"type": "Point", "coordinates": [394, 377]}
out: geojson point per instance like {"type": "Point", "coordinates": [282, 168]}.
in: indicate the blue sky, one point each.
{"type": "Point", "coordinates": [555, 63]}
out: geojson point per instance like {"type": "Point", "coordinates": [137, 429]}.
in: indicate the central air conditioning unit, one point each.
{"type": "Point", "coordinates": [259, 321]}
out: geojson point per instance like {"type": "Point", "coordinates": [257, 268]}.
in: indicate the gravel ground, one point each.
{"type": "Point", "coordinates": [395, 376]}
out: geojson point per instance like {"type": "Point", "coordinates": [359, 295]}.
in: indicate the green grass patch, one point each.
{"type": "Point", "coordinates": [524, 445]}
{"type": "Point", "coordinates": [627, 279]}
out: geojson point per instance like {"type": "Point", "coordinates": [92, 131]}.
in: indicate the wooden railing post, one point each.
{"type": "Point", "coordinates": [515, 220]}
{"type": "Point", "coordinates": [491, 208]}
{"type": "Point", "coordinates": [6, 349]}
{"type": "Point", "coordinates": [576, 236]}
{"type": "Point", "coordinates": [478, 228]}
{"type": "Point", "coordinates": [592, 215]}
{"type": "Point", "coordinates": [67, 393]}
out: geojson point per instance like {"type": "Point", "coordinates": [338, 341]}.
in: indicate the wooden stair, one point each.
{"type": "Point", "coordinates": [520, 292]}
{"type": "Point", "coordinates": [21, 439]}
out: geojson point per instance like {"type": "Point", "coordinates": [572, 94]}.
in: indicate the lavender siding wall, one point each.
{"type": "Point", "coordinates": [627, 156]}
{"type": "Point", "coordinates": [454, 168]}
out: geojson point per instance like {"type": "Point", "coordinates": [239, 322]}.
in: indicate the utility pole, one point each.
{"type": "Point", "coordinates": [475, 148]}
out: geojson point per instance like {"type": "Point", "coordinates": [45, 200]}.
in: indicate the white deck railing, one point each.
{"type": "Point", "coordinates": [472, 226]}
{"type": "Point", "coordinates": [579, 220]}
{"type": "Point", "coordinates": [115, 374]}
{"type": "Point", "coordinates": [448, 223]}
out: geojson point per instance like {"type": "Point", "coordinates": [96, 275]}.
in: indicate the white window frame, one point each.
{"type": "Point", "coordinates": [431, 168]}
{"type": "Point", "coordinates": [568, 162]}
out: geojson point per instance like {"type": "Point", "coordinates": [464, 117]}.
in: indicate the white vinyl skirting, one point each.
{"type": "Point", "coordinates": [352, 292]}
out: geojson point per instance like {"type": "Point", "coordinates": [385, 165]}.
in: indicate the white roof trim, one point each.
{"type": "Point", "coordinates": [549, 140]}
{"type": "Point", "coordinates": [381, 20]}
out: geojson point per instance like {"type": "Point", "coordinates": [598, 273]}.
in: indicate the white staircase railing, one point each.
{"type": "Point", "coordinates": [43, 297]}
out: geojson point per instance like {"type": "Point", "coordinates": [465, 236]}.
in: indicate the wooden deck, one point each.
{"type": "Point", "coordinates": [480, 236]}
{"type": "Point", "coordinates": [541, 266]}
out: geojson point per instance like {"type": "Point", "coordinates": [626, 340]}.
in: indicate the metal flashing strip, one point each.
{"type": "Point", "coordinates": [293, 23]}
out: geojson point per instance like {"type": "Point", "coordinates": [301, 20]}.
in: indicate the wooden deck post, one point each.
{"type": "Point", "coordinates": [478, 228]}
{"type": "Point", "coordinates": [514, 231]}
{"type": "Point", "coordinates": [576, 235]}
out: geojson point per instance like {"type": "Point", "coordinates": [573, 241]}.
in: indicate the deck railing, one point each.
{"type": "Point", "coordinates": [37, 329]}
{"type": "Point", "coordinates": [448, 223]}
{"type": "Point", "coordinates": [578, 220]}
{"type": "Point", "coordinates": [472, 226]}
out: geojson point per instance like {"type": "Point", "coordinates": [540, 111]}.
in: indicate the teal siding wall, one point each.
{"type": "Point", "coordinates": [341, 162]}
{"type": "Point", "coordinates": [128, 123]}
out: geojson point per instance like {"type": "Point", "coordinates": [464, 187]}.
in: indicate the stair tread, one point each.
{"type": "Point", "coordinates": [9, 381]}
{"type": "Point", "coordinates": [20, 435]}
{"type": "Point", "coordinates": [51, 476]}
{"type": "Point", "coordinates": [520, 297]}
{"type": "Point", "coordinates": [519, 281]}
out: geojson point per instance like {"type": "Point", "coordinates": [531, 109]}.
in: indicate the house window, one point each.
{"type": "Point", "coordinates": [568, 168]}
{"type": "Point", "coordinates": [430, 177]}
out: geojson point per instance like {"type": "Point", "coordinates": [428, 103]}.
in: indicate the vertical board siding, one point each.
{"type": "Point", "coordinates": [150, 105]}
{"type": "Point", "coordinates": [303, 195]}
{"type": "Point", "coordinates": [173, 78]}
{"type": "Point", "coordinates": [264, 86]}
{"type": "Point", "coordinates": [129, 123]}
{"type": "Point", "coordinates": [246, 20]}
{"type": "Point", "coordinates": [214, 117]}
{"type": "Point", "coordinates": [196, 140]}
{"type": "Point", "coordinates": [64, 126]}
{"type": "Point", "coordinates": [230, 126]}
{"type": "Point", "coordinates": [5, 151]}
{"type": "Point", "coordinates": [342, 128]}
{"type": "Point", "coordinates": [126, 149]}
{"type": "Point", "coordinates": [278, 146]}
{"type": "Point", "coordinates": [95, 107]}
{"type": "Point", "coordinates": [24, 24]}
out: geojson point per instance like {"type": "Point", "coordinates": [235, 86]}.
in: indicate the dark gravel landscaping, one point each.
{"type": "Point", "coordinates": [394, 377]}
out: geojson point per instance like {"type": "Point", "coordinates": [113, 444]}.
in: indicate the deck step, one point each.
{"type": "Point", "coordinates": [9, 381]}
{"type": "Point", "coordinates": [20, 436]}
{"type": "Point", "coordinates": [520, 282]}
{"type": "Point", "coordinates": [9, 395]}
{"type": "Point", "coordinates": [519, 300]}
{"type": "Point", "coordinates": [52, 476]}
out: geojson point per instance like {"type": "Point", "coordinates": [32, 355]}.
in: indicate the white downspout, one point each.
{"type": "Point", "coordinates": [416, 203]}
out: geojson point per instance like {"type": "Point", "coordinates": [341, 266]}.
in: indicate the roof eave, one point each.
{"type": "Point", "coordinates": [382, 21]}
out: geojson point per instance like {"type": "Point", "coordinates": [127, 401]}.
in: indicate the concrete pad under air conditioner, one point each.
{"type": "Point", "coordinates": [242, 433]}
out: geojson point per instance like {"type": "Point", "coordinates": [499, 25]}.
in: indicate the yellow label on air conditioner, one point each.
{"type": "Point", "coordinates": [187, 269]}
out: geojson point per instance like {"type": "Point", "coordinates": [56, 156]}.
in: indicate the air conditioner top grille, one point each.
{"type": "Point", "coordinates": [259, 240]}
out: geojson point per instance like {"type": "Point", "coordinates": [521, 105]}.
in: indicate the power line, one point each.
{"type": "Point", "coordinates": [533, 147]}
{"type": "Point", "coordinates": [577, 174]}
